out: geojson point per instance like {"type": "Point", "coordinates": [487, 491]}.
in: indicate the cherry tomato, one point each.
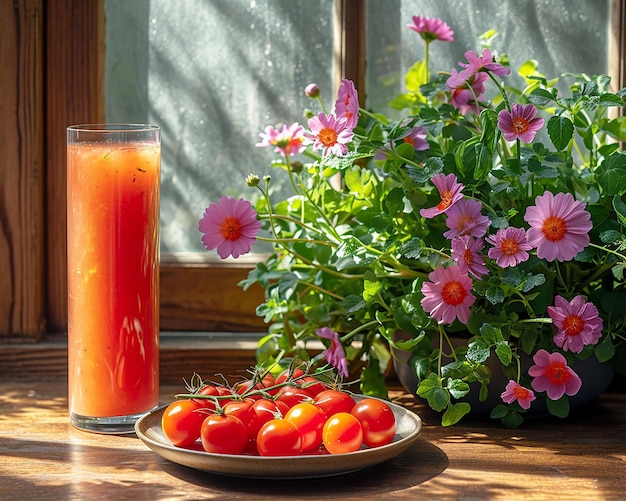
{"type": "Point", "coordinates": [240, 408]}
{"type": "Point", "coordinates": [289, 375]}
{"type": "Point", "coordinates": [292, 395]}
{"type": "Point", "coordinates": [309, 420]}
{"type": "Point", "coordinates": [262, 411]}
{"type": "Point", "coordinates": [312, 385]}
{"type": "Point", "coordinates": [279, 437]}
{"type": "Point", "coordinates": [182, 420]}
{"type": "Point", "coordinates": [332, 401]}
{"type": "Point", "coordinates": [207, 390]}
{"type": "Point", "coordinates": [223, 434]}
{"type": "Point", "coordinates": [342, 433]}
{"type": "Point", "coordinates": [377, 420]}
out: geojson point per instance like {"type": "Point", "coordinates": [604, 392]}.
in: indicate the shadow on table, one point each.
{"type": "Point", "coordinates": [418, 464]}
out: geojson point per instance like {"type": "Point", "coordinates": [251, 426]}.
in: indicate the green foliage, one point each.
{"type": "Point", "coordinates": [352, 251]}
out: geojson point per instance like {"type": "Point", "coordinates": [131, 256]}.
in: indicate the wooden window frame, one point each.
{"type": "Point", "coordinates": [52, 60]}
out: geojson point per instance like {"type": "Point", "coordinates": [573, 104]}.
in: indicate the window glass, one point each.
{"type": "Point", "coordinates": [562, 35]}
{"type": "Point", "coordinates": [213, 74]}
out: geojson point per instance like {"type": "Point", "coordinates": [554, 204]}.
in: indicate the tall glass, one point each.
{"type": "Point", "coordinates": [113, 195]}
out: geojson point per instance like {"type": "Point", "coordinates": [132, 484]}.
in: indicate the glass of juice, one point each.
{"type": "Point", "coordinates": [113, 198]}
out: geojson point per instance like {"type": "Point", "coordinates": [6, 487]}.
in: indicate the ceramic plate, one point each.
{"type": "Point", "coordinates": [408, 428]}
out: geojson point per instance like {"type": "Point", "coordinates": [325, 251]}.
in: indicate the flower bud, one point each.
{"type": "Point", "coordinates": [252, 180]}
{"type": "Point", "coordinates": [296, 167]}
{"type": "Point", "coordinates": [312, 90]}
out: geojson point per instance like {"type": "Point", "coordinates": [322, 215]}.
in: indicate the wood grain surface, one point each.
{"type": "Point", "coordinates": [584, 457]}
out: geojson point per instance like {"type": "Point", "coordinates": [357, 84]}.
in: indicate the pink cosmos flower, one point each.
{"type": "Point", "coordinates": [417, 138]}
{"type": "Point", "coordinates": [335, 354]}
{"type": "Point", "coordinates": [509, 247]}
{"type": "Point", "coordinates": [347, 104]}
{"type": "Point", "coordinates": [287, 140]}
{"type": "Point", "coordinates": [552, 375]}
{"type": "Point", "coordinates": [559, 226]}
{"type": "Point", "coordinates": [229, 225]}
{"type": "Point", "coordinates": [485, 61]}
{"type": "Point", "coordinates": [330, 134]}
{"type": "Point", "coordinates": [516, 392]}
{"type": "Point", "coordinates": [466, 254]}
{"type": "Point", "coordinates": [464, 218]}
{"type": "Point", "coordinates": [448, 295]}
{"type": "Point", "coordinates": [465, 93]}
{"type": "Point", "coordinates": [521, 122]}
{"type": "Point", "coordinates": [431, 29]}
{"type": "Point", "coordinates": [449, 193]}
{"type": "Point", "coordinates": [578, 323]}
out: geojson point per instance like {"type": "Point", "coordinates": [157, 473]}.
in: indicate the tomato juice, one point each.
{"type": "Point", "coordinates": [113, 277]}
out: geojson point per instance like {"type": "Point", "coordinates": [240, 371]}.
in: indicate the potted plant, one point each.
{"type": "Point", "coordinates": [487, 212]}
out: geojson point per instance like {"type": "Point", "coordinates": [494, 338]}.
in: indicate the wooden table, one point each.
{"type": "Point", "coordinates": [43, 457]}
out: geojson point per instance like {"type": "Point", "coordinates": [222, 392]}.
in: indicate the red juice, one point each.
{"type": "Point", "coordinates": [113, 277]}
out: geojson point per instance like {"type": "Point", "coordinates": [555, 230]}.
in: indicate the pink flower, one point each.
{"type": "Point", "coordinates": [466, 92]}
{"type": "Point", "coordinates": [417, 138]}
{"type": "Point", "coordinates": [466, 254]}
{"type": "Point", "coordinates": [287, 140]}
{"type": "Point", "coordinates": [347, 104]}
{"type": "Point", "coordinates": [559, 226]}
{"type": "Point", "coordinates": [552, 375]}
{"type": "Point", "coordinates": [329, 134]}
{"type": "Point", "coordinates": [230, 226]}
{"type": "Point", "coordinates": [448, 295]}
{"type": "Point", "coordinates": [485, 61]}
{"type": "Point", "coordinates": [521, 122]}
{"type": "Point", "coordinates": [431, 29]}
{"type": "Point", "coordinates": [510, 247]}
{"type": "Point", "coordinates": [334, 354]}
{"type": "Point", "coordinates": [449, 193]}
{"type": "Point", "coordinates": [464, 218]}
{"type": "Point", "coordinates": [578, 323]}
{"type": "Point", "coordinates": [516, 392]}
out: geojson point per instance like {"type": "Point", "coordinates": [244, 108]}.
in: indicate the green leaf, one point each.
{"type": "Point", "coordinates": [499, 411]}
{"type": "Point", "coordinates": [432, 390]}
{"type": "Point", "coordinates": [561, 131]}
{"type": "Point", "coordinates": [604, 350]}
{"type": "Point", "coordinates": [478, 351]}
{"type": "Point", "coordinates": [454, 413]}
{"type": "Point", "coordinates": [612, 174]}
{"type": "Point", "coordinates": [558, 408]}
{"type": "Point", "coordinates": [512, 420]}
{"type": "Point", "coordinates": [457, 387]}
{"type": "Point", "coordinates": [372, 381]}
{"type": "Point", "coordinates": [620, 209]}
{"type": "Point", "coordinates": [504, 352]}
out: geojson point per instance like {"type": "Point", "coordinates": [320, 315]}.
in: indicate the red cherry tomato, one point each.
{"type": "Point", "coordinates": [312, 385]}
{"type": "Point", "coordinates": [262, 411]}
{"type": "Point", "coordinates": [333, 401]}
{"type": "Point", "coordinates": [279, 437]}
{"type": "Point", "coordinates": [377, 420]}
{"type": "Point", "coordinates": [223, 434]}
{"type": "Point", "coordinates": [342, 433]}
{"type": "Point", "coordinates": [289, 375]}
{"type": "Point", "coordinates": [309, 420]}
{"type": "Point", "coordinates": [292, 395]}
{"type": "Point", "coordinates": [240, 408]}
{"type": "Point", "coordinates": [182, 420]}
